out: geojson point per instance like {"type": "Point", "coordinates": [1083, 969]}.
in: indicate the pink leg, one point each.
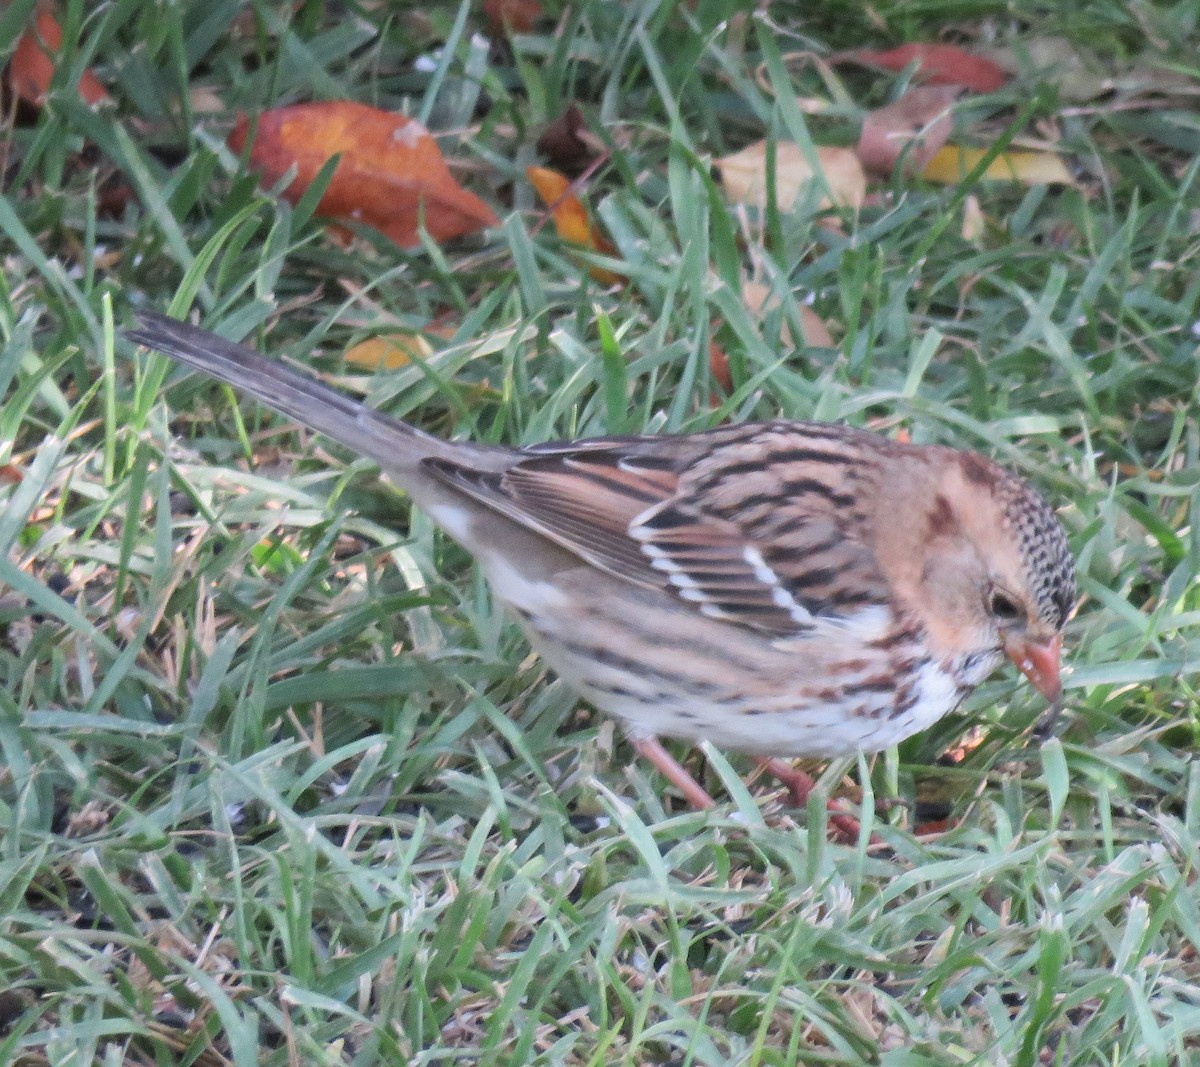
{"type": "Point", "coordinates": [651, 750]}
{"type": "Point", "coordinates": [800, 785]}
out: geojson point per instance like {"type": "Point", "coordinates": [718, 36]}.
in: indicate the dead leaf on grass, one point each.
{"type": "Point", "coordinates": [389, 351]}
{"type": "Point", "coordinates": [511, 16]}
{"type": "Point", "coordinates": [568, 145]}
{"type": "Point", "coordinates": [571, 219]}
{"type": "Point", "coordinates": [937, 64]}
{"type": "Point", "coordinates": [35, 59]}
{"type": "Point", "coordinates": [910, 130]}
{"type": "Point", "coordinates": [838, 173]}
{"type": "Point", "coordinates": [760, 300]}
{"type": "Point", "coordinates": [952, 163]}
{"type": "Point", "coordinates": [391, 174]}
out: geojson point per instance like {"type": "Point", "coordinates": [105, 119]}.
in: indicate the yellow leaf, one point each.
{"type": "Point", "coordinates": [952, 164]}
{"type": "Point", "coordinates": [744, 175]}
{"type": "Point", "coordinates": [389, 352]}
{"type": "Point", "coordinates": [571, 219]}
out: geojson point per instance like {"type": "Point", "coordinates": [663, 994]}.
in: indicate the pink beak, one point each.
{"type": "Point", "coordinates": [1039, 662]}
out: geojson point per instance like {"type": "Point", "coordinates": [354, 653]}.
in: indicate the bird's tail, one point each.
{"type": "Point", "coordinates": [397, 447]}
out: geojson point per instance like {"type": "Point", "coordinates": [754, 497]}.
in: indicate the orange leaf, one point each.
{"type": "Point", "coordinates": [951, 164]}
{"type": "Point", "coordinates": [718, 367]}
{"type": "Point", "coordinates": [571, 219]}
{"type": "Point", "coordinates": [940, 64]}
{"type": "Point", "coordinates": [31, 69]}
{"type": "Point", "coordinates": [389, 352]}
{"type": "Point", "coordinates": [911, 129]}
{"type": "Point", "coordinates": [391, 174]}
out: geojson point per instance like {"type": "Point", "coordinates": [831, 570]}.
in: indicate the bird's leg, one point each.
{"type": "Point", "coordinates": [1043, 729]}
{"type": "Point", "coordinates": [651, 750]}
{"type": "Point", "coordinates": [799, 785]}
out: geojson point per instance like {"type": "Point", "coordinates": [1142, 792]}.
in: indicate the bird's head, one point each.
{"type": "Point", "coordinates": [992, 571]}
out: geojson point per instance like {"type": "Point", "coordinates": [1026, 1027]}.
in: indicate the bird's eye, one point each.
{"type": "Point", "coordinates": [1003, 607]}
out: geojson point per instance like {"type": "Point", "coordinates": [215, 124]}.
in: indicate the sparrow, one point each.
{"type": "Point", "coordinates": [778, 588]}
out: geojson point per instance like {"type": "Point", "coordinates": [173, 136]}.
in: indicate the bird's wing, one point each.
{"type": "Point", "coordinates": [783, 568]}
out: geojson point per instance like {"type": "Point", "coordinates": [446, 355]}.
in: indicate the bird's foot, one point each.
{"type": "Point", "coordinates": [800, 784]}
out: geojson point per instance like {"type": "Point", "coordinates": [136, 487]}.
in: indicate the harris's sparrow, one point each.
{"type": "Point", "coordinates": [779, 588]}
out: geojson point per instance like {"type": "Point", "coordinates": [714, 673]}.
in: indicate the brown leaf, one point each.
{"type": "Point", "coordinates": [511, 16]}
{"type": "Point", "coordinates": [759, 300]}
{"type": "Point", "coordinates": [391, 174]}
{"type": "Point", "coordinates": [113, 195]}
{"type": "Point", "coordinates": [911, 129]}
{"type": "Point", "coordinates": [938, 64]}
{"type": "Point", "coordinates": [744, 175]}
{"type": "Point", "coordinates": [567, 143]}
{"type": "Point", "coordinates": [31, 69]}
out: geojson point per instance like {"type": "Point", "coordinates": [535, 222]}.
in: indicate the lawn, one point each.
{"type": "Point", "coordinates": [280, 783]}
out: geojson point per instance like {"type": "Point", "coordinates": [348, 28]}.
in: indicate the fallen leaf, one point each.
{"type": "Point", "coordinates": [909, 130]}
{"type": "Point", "coordinates": [93, 817]}
{"type": "Point", "coordinates": [31, 69]}
{"type": "Point", "coordinates": [759, 300]}
{"type": "Point", "coordinates": [952, 163]}
{"type": "Point", "coordinates": [974, 224]}
{"type": "Point", "coordinates": [744, 175]}
{"type": "Point", "coordinates": [206, 100]}
{"type": "Point", "coordinates": [814, 105]}
{"type": "Point", "coordinates": [505, 17]}
{"type": "Point", "coordinates": [718, 367]}
{"type": "Point", "coordinates": [391, 174]}
{"type": "Point", "coordinates": [389, 351]}
{"type": "Point", "coordinates": [938, 64]}
{"type": "Point", "coordinates": [571, 219]}
{"type": "Point", "coordinates": [113, 195]}
{"type": "Point", "coordinates": [567, 143]}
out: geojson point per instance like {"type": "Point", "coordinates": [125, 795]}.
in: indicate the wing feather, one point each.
{"type": "Point", "coordinates": [619, 505]}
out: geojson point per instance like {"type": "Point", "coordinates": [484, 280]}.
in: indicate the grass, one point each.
{"type": "Point", "coordinates": [279, 784]}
